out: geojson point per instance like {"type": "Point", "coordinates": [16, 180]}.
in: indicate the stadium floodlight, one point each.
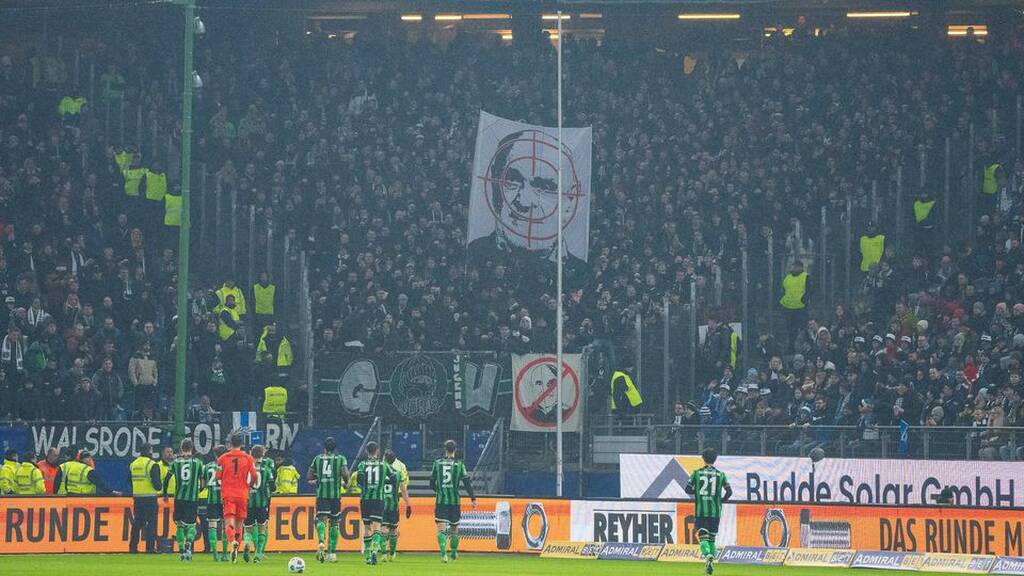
{"type": "Point", "coordinates": [881, 14]}
{"type": "Point", "coordinates": [197, 80]}
{"type": "Point", "coordinates": [486, 16]}
{"type": "Point", "coordinates": [447, 17]}
{"type": "Point", "coordinates": [709, 16]}
{"type": "Point", "coordinates": [556, 16]}
{"type": "Point", "coordinates": [200, 27]}
{"type": "Point", "coordinates": [412, 17]}
{"type": "Point", "coordinates": [591, 15]}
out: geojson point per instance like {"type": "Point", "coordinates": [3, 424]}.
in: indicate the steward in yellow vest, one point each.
{"type": "Point", "coordinates": [146, 481]}
{"type": "Point", "coordinates": [990, 178]}
{"type": "Point", "coordinates": [7, 471]}
{"type": "Point", "coordinates": [156, 185]}
{"type": "Point", "coordinates": [923, 207]}
{"type": "Point", "coordinates": [133, 180]}
{"type": "Point", "coordinates": [278, 348]}
{"type": "Point", "coordinates": [164, 465]}
{"type": "Point", "coordinates": [263, 294]}
{"type": "Point", "coordinates": [28, 478]}
{"type": "Point", "coordinates": [70, 106]}
{"type": "Point", "coordinates": [172, 210]}
{"type": "Point", "coordinates": [872, 246]}
{"type": "Point", "coordinates": [228, 319]}
{"type": "Point", "coordinates": [287, 476]}
{"type": "Point", "coordinates": [622, 386]}
{"type": "Point", "coordinates": [794, 288]}
{"type": "Point", "coordinates": [229, 289]}
{"type": "Point", "coordinates": [77, 477]}
{"type": "Point", "coordinates": [275, 400]}
{"type": "Point", "coordinates": [123, 158]}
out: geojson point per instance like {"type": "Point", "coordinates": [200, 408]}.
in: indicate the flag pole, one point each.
{"type": "Point", "coordinates": [558, 309]}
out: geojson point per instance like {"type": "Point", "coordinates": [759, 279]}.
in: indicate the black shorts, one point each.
{"type": "Point", "coordinates": [708, 524]}
{"type": "Point", "coordinates": [330, 507]}
{"type": "Point", "coordinates": [450, 513]}
{"type": "Point", "coordinates": [372, 510]}
{"type": "Point", "coordinates": [258, 515]}
{"type": "Point", "coordinates": [214, 511]}
{"type": "Point", "coordinates": [185, 512]}
{"type": "Point", "coordinates": [391, 517]}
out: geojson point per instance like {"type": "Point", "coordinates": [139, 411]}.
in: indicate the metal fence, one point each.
{"type": "Point", "coordinates": [926, 443]}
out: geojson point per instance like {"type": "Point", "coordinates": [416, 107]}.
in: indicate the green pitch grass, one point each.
{"type": "Point", "coordinates": [406, 565]}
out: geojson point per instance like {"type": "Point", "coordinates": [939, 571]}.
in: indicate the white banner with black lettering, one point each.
{"type": "Point", "coordinates": [535, 390]}
{"type": "Point", "coordinates": [833, 480]}
{"type": "Point", "coordinates": [620, 521]}
{"type": "Point", "coordinates": [513, 199]}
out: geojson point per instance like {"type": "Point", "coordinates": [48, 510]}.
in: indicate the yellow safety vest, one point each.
{"type": "Point", "coordinates": [156, 186]}
{"type": "Point", "coordinates": [632, 394]}
{"type": "Point", "coordinates": [164, 469]}
{"type": "Point", "coordinates": [132, 179]}
{"type": "Point", "coordinates": [734, 346]}
{"type": "Point", "coordinates": [284, 351]}
{"type": "Point", "coordinates": [28, 480]}
{"type": "Point", "coordinates": [7, 476]}
{"type": "Point", "coordinates": [793, 290]}
{"type": "Point", "coordinates": [264, 296]}
{"type": "Point", "coordinates": [402, 471]}
{"type": "Point", "coordinates": [142, 484]}
{"type": "Point", "coordinates": [123, 159]}
{"type": "Point", "coordinates": [287, 480]}
{"type": "Point", "coordinates": [871, 250]}
{"type": "Point", "coordinates": [989, 184]}
{"type": "Point", "coordinates": [70, 106]}
{"type": "Point", "coordinates": [922, 210]}
{"type": "Point", "coordinates": [222, 297]}
{"type": "Point", "coordinates": [275, 400]}
{"type": "Point", "coordinates": [75, 478]}
{"type": "Point", "coordinates": [172, 210]}
{"type": "Point", "coordinates": [223, 330]}
{"type": "Point", "coordinates": [353, 488]}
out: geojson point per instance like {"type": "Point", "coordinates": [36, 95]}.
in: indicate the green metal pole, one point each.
{"type": "Point", "coordinates": [181, 350]}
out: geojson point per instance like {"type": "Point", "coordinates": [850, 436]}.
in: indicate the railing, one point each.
{"type": "Point", "coordinates": [929, 442]}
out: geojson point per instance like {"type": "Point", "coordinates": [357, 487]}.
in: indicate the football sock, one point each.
{"type": "Point", "coordinates": [712, 549]}
{"type": "Point", "coordinates": [454, 539]}
{"type": "Point", "coordinates": [190, 533]}
{"type": "Point", "coordinates": [261, 543]}
{"type": "Point", "coordinates": [321, 530]}
{"type": "Point", "coordinates": [392, 542]}
{"type": "Point", "coordinates": [211, 540]}
{"type": "Point", "coordinates": [332, 543]}
{"type": "Point", "coordinates": [179, 536]}
{"type": "Point", "coordinates": [247, 538]}
{"type": "Point", "coordinates": [224, 544]}
{"type": "Point", "coordinates": [703, 548]}
{"type": "Point", "coordinates": [367, 546]}
{"type": "Point", "coordinates": [442, 541]}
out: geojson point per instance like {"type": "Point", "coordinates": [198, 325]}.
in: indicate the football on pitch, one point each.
{"type": "Point", "coordinates": [296, 565]}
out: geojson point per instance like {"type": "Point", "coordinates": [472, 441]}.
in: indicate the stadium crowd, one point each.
{"type": "Point", "coordinates": [361, 152]}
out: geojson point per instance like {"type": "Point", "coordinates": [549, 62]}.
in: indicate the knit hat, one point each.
{"type": "Point", "coordinates": [1018, 308]}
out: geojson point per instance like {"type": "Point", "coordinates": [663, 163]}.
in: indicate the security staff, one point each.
{"type": "Point", "coordinates": [10, 466]}
{"type": "Point", "coordinates": [146, 484]}
{"type": "Point", "coordinates": [228, 318]}
{"type": "Point", "coordinates": [78, 478]}
{"type": "Point", "coordinates": [990, 178]}
{"type": "Point", "coordinates": [924, 220]}
{"type": "Point", "coordinates": [156, 184]}
{"type": "Point", "coordinates": [28, 480]}
{"type": "Point", "coordinates": [229, 289]}
{"type": "Point", "coordinates": [164, 464]}
{"type": "Point", "coordinates": [48, 466]}
{"type": "Point", "coordinates": [274, 348]}
{"type": "Point", "coordinates": [795, 290]}
{"type": "Point", "coordinates": [263, 295]}
{"type": "Point", "coordinates": [623, 392]}
{"type": "Point", "coordinates": [275, 401]}
{"type": "Point", "coordinates": [872, 246]}
{"type": "Point", "coordinates": [287, 476]}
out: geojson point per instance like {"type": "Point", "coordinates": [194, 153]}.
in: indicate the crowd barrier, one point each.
{"type": "Point", "coordinates": [94, 524]}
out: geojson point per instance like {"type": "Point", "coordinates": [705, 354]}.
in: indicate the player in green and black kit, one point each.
{"type": "Point", "coordinates": [372, 475]}
{"type": "Point", "coordinates": [399, 487]}
{"type": "Point", "coordinates": [447, 474]}
{"type": "Point", "coordinates": [215, 507]}
{"type": "Point", "coordinates": [259, 505]}
{"type": "Point", "coordinates": [187, 472]}
{"type": "Point", "coordinates": [329, 473]}
{"type": "Point", "coordinates": [710, 488]}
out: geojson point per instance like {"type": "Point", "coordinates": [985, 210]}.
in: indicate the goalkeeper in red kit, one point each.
{"type": "Point", "coordinates": [237, 474]}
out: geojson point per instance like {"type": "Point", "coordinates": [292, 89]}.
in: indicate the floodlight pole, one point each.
{"type": "Point", "coordinates": [559, 370]}
{"type": "Point", "coordinates": [181, 347]}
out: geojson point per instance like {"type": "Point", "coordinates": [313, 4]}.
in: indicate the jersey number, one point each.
{"type": "Point", "coordinates": [372, 476]}
{"type": "Point", "coordinates": [708, 485]}
{"type": "Point", "coordinates": [446, 475]}
{"type": "Point", "coordinates": [213, 482]}
{"type": "Point", "coordinates": [185, 474]}
{"type": "Point", "coordinates": [326, 472]}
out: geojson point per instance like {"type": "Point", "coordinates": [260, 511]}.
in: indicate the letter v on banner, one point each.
{"type": "Point", "coordinates": [533, 390]}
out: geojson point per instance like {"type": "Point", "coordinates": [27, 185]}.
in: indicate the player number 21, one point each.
{"type": "Point", "coordinates": [708, 485]}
